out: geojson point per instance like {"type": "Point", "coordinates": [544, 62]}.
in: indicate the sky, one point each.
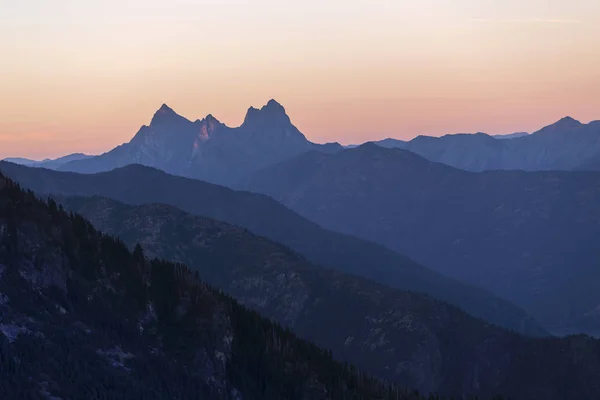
{"type": "Point", "coordinates": [85, 75]}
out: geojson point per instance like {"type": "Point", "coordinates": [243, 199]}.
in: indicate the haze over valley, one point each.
{"type": "Point", "coordinates": [300, 201]}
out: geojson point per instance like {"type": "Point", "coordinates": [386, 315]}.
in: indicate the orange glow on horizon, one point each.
{"type": "Point", "coordinates": [84, 76]}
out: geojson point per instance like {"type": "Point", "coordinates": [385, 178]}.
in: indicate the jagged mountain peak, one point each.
{"type": "Point", "coordinates": [205, 128]}
{"type": "Point", "coordinates": [272, 112]}
{"type": "Point", "coordinates": [569, 120]}
{"type": "Point", "coordinates": [164, 111]}
{"type": "Point", "coordinates": [177, 145]}
{"type": "Point", "coordinates": [208, 119]}
{"type": "Point", "coordinates": [562, 124]}
{"type": "Point", "coordinates": [166, 115]}
{"type": "Point", "coordinates": [165, 108]}
{"type": "Point", "coordinates": [274, 105]}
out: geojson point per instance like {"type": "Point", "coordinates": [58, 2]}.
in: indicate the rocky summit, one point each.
{"type": "Point", "coordinates": [208, 149]}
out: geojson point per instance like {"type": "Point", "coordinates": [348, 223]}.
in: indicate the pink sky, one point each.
{"type": "Point", "coordinates": [84, 76]}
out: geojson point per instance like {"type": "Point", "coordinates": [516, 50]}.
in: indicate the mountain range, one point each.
{"type": "Point", "coordinates": [529, 237]}
{"type": "Point", "coordinates": [404, 337]}
{"type": "Point", "coordinates": [208, 149]}
{"type": "Point", "coordinates": [565, 145]}
{"type": "Point", "coordinates": [81, 317]}
{"type": "Point", "coordinates": [427, 263]}
{"type": "Point", "coordinates": [262, 215]}
{"type": "Point", "coordinates": [48, 163]}
{"type": "Point", "coordinates": [402, 144]}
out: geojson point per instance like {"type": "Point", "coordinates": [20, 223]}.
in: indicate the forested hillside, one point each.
{"type": "Point", "coordinates": [84, 318]}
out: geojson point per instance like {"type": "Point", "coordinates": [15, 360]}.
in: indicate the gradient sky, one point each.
{"type": "Point", "coordinates": [85, 75]}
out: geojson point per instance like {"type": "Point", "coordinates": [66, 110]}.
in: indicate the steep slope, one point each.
{"type": "Point", "coordinates": [207, 149]}
{"type": "Point", "coordinates": [530, 237]}
{"type": "Point", "coordinates": [401, 336]}
{"type": "Point", "coordinates": [81, 317]}
{"type": "Point", "coordinates": [141, 185]}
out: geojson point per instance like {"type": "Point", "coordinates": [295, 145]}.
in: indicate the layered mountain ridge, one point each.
{"type": "Point", "coordinates": [404, 337]}
{"type": "Point", "coordinates": [261, 215]}
{"type": "Point", "coordinates": [81, 317]}
{"type": "Point", "coordinates": [210, 150]}
{"type": "Point", "coordinates": [529, 237]}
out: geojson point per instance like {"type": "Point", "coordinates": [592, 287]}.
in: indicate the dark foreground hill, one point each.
{"type": "Point", "coordinates": [530, 237]}
{"type": "Point", "coordinates": [401, 336]}
{"type": "Point", "coordinates": [262, 215]}
{"type": "Point", "coordinates": [83, 318]}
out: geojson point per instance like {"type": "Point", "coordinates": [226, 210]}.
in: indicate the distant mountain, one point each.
{"type": "Point", "coordinates": [48, 163]}
{"type": "Point", "coordinates": [387, 143]}
{"type": "Point", "coordinates": [58, 162]}
{"type": "Point", "coordinates": [510, 135]}
{"type": "Point", "coordinates": [83, 318]}
{"type": "Point", "coordinates": [564, 145]}
{"type": "Point", "coordinates": [391, 143]}
{"type": "Point", "coordinates": [400, 336]}
{"type": "Point", "coordinates": [20, 161]}
{"type": "Point", "coordinates": [136, 184]}
{"type": "Point", "coordinates": [530, 237]}
{"type": "Point", "coordinates": [207, 149]}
